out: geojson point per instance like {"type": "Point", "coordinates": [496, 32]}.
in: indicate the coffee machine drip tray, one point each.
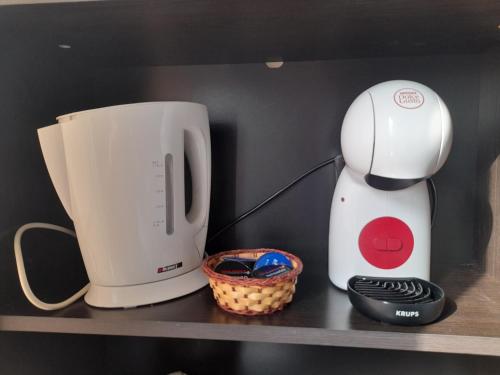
{"type": "Point", "coordinates": [402, 301]}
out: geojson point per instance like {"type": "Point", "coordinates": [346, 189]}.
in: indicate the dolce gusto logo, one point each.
{"type": "Point", "coordinates": [408, 98]}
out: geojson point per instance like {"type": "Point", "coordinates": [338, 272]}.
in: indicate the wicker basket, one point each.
{"type": "Point", "coordinates": [250, 296]}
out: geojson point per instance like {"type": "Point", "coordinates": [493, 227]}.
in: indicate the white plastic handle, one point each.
{"type": "Point", "coordinates": [196, 149]}
{"type": "Point", "coordinates": [22, 271]}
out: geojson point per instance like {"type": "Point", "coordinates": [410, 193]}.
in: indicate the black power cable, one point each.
{"type": "Point", "coordinates": [434, 196]}
{"type": "Point", "coordinates": [331, 160]}
{"type": "Point", "coordinates": [276, 194]}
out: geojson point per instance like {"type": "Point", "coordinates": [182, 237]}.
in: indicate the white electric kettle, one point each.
{"type": "Point", "coordinates": [119, 172]}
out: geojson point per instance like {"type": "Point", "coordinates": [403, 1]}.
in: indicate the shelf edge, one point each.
{"type": "Point", "coordinates": [420, 342]}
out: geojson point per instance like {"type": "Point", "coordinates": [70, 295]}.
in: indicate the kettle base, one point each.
{"type": "Point", "coordinates": [145, 294]}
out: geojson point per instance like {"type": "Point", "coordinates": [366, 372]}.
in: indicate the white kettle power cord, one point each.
{"type": "Point", "coordinates": [22, 271]}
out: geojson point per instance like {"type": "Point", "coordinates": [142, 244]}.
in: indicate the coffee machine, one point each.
{"type": "Point", "coordinates": [394, 137]}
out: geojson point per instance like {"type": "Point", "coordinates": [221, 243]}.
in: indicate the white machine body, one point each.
{"type": "Point", "coordinates": [389, 250]}
{"type": "Point", "coordinates": [394, 136]}
{"type": "Point", "coordinates": [119, 172]}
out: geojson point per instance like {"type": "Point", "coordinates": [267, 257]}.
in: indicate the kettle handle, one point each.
{"type": "Point", "coordinates": [197, 149]}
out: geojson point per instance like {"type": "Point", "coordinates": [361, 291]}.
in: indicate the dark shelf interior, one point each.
{"type": "Point", "coordinates": [207, 32]}
{"type": "Point", "coordinates": [41, 354]}
{"type": "Point", "coordinates": [267, 127]}
{"type": "Point", "coordinates": [277, 110]}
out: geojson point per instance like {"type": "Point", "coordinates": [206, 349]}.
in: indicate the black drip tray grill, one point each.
{"type": "Point", "coordinates": [395, 291]}
{"type": "Point", "coordinates": [404, 301]}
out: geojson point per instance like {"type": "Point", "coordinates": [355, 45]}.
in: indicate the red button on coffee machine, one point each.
{"type": "Point", "coordinates": [386, 242]}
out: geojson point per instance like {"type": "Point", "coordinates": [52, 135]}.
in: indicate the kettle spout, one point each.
{"type": "Point", "coordinates": [51, 141]}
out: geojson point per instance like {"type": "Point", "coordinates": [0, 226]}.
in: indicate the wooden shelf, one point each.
{"type": "Point", "coordinates": [319, 315]}
{"type": "Point", "coordinates": [201, 32]}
